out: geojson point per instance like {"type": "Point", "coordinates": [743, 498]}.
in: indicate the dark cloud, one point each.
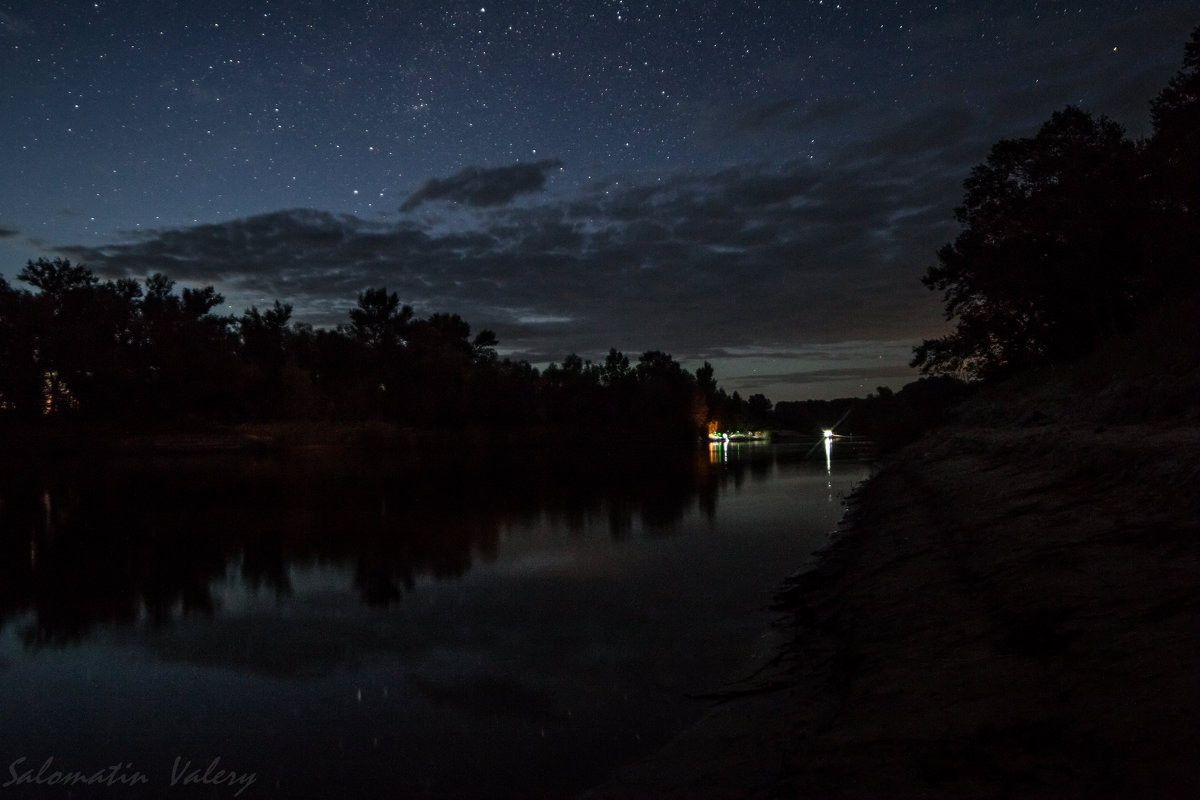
{"type": "Point", "coordinates": [690, 265]}
{"type": "Point", "coordinates": [479, 186]}
{"type": "Point", "coordinates": [8, 233]}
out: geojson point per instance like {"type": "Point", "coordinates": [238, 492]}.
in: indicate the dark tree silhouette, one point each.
{"type": "Point", "coordinates": [345, 382]}
{"type": "Point", "coordinates": [264, 352]}
{"type": "Point", "coordinates": [483, 347]}
{"type": "Point", "coordinates": [56, 279]}
{"type": "Point", "coordinates": [77, 347]}
{"type": "Point", "coordinates": [20, 386]}
{"type": "Point", "coordinates": [190, 355]}
{"type": "Point", "coordinates": [1173, 164]}
{"type": "Point", "coordinates": [1175, 113]}
{"type": "Point", "coordinates": [108, 350]}
{"type": "Point", "coordinates": [758, 410]}
{"type": "Point", "coordinates": [441, 359]}
{"type": "Point", "coordinates": [572, 392]}
{"type": "Point", "coordinates": [382, 325]}
{"type": "Point", "coordinates": [379, 321]}
{"type": "Point", "coordinates": [1048, 262]}
{"type": "Point", "coordinates": [616, 369]}
{"type": "Point", "coordinates": [668, 398]}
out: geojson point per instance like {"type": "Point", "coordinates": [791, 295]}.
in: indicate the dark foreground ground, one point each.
{"type": "Point", "coordinates": [1013, 610]}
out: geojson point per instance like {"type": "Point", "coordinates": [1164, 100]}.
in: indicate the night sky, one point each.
{"type": "Point", "coordinates": [761, 185]}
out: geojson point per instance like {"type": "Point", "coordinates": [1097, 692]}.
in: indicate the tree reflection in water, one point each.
{"type": "Point", "coordinates": [92, 541]}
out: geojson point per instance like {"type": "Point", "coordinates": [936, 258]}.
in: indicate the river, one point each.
{"type": "Point", "coordinates": [511, 623]}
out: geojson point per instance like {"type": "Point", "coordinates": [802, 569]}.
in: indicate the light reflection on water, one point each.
{"type": "Point", "coordinates": [507, 630]}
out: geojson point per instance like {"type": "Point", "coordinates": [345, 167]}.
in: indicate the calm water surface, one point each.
{"type": "Point", "coordinates": [508, 624]}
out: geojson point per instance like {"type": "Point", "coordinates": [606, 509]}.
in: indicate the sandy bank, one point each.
{"type": "Point", "coordinates": [1016, 612]}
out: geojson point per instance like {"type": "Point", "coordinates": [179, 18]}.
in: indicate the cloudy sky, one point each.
{"type": "Point", "coordinates": [759, 185]}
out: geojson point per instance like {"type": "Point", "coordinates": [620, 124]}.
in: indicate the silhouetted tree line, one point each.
{"type": "Point", "coordinates": [121, 351]}
{"type": "Point", "coordinates": [1068, 237]}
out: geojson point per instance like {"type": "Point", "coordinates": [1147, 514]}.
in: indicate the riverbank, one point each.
{"type": "Point", "coordinates": [1013, 610]}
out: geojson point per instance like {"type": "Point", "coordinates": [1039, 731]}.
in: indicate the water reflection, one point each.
{"type": "Point", "coordinates": [482, 624]}
{"type": "Point", "coordinates": [87, 543]}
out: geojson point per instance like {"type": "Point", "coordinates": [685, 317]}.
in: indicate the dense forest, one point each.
{"type": "Point", "coordinates": [123, 351]}
{"type": "Point", "coordinates": [1068, 239]}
